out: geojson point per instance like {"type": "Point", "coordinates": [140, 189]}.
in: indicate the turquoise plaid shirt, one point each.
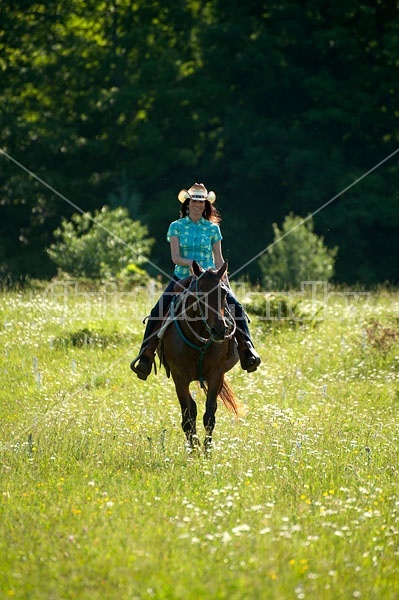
{"type": "Point", "coordinates": [196, 241]}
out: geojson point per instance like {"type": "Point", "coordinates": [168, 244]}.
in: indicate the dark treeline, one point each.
{"type": "Point", "coordinates": [277, 106]}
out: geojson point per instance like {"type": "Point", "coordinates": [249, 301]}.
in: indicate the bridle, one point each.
{"type": "Point", "coordinates": [200, 301]}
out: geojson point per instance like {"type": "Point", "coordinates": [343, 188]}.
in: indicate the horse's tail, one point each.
{"type": "Point", "coordinates": [228, 397]}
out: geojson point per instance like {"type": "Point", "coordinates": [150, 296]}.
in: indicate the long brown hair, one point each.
{"type": "Point", "coordinates": [210, 213]}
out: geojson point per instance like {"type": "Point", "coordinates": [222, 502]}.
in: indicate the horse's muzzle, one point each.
{"type": "Point", "coordinates": [218, 334]}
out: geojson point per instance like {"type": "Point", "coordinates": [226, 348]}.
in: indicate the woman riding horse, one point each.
{"type": "Point", "coordinates": [195, 236]}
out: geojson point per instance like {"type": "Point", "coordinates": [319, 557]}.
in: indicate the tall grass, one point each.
{"type": "Point", "coordinates": [100, 500]}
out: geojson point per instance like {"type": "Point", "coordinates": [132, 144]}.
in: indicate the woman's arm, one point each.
{"type": "Point", "coordinates": [175, 253]}
{"type": "Point", "coordinates": [217, 254]}
{"type": "Point", "coordinates": [218, 258]}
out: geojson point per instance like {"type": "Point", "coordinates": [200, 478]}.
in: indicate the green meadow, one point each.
{"type": "Point", "coordinates": [100, 499]}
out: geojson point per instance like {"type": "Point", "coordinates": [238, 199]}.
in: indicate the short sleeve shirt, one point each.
{"type": "Point", "coordinates": [196, 241]}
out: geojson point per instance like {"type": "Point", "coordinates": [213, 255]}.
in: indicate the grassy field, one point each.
{"type": "Point", "coordinates": [100, 500]}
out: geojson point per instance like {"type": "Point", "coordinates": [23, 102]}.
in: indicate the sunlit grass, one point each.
{"type": "Point", "coordinates": [99, 498]}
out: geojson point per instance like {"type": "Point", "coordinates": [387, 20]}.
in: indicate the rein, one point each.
{"type": "Point", "coordinates": [201, 350]}
{"type": "Point", "coordinates": [206, 342]}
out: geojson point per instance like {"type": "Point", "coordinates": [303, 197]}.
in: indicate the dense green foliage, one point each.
{"type": "Point", "coordinates": [277, 106]}
{"type": "Point", "coordinates": [98, 499]}
{"type": "Point", "coordinates": [296, 255]}
{"type": "Point", "coordinates": [100, 246]}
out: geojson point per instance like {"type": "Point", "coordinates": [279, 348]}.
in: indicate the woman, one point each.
{"type": "Point", "coordinates": [194, 236]}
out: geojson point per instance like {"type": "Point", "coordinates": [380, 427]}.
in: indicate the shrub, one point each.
{"type": "Point", "coordinates": [106, 245]}
{"type": "Point", "coordinates": [282, 309]}
{"type": "Point", "coordinates": [297, 255]}
{"type": "Point", "coordinates": [85, 337]}
{"type": "Point", "coordinates": [382, 336]}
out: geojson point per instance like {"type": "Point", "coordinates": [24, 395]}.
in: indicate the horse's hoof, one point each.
{"type": "Point", "coordinates": [196, 442]}
{"type": "Point", "coordinates": [208, 445]}
{"type": "Point", "coordinates": [189, 448]}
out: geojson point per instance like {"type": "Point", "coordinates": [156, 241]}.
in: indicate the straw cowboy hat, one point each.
{"type": "Point", "coordinates": [197, 192]}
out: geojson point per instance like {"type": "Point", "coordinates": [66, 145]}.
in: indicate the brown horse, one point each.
{"type": "Point", "coordinates": [198, 345]}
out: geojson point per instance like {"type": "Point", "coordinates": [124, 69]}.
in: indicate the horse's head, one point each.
{"type": "Point", "coordinates": [211, 299]}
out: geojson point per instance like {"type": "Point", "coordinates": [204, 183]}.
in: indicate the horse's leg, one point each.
{"type": "Point", "coordinates": [189, 414]}
{"type": "Point", "coordinates": [210, 411]}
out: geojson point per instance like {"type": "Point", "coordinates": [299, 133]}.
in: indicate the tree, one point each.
{"type": "Point", "coordinates": [296, 255]}
{"type": "Point", "coordinates": [106, 245]}
{"type": "Point", "coordinates": [277, 106]}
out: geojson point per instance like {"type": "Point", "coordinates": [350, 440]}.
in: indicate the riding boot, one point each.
{"type": "Point", "coordinates": [145, 358]}
{"type": "Point", "coordinates": [249, 358]}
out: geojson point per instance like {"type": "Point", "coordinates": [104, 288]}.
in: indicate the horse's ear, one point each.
{"type": "Point", "coordinates": [222, 270]}
{"type": "Point", "coordinates": [197, 269]}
